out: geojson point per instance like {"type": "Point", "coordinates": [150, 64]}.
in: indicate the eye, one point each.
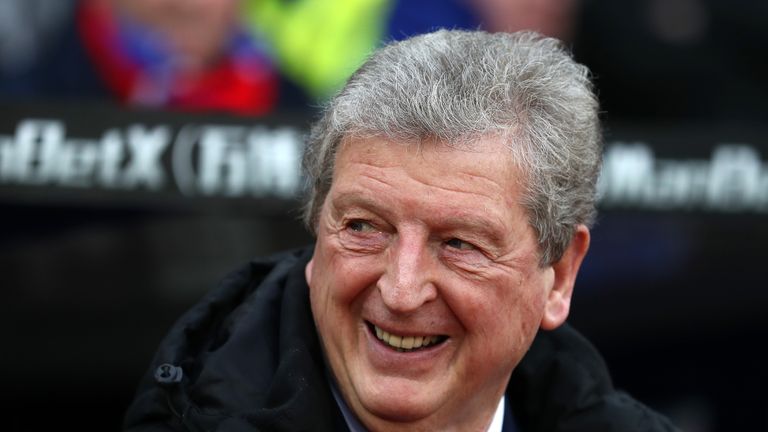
{"type": "Point", "coordinates": [460, 244]}
{"type": "Point", "coordinates": [360, 226]}
{"type": "Point", "coordinates": [362, 236]}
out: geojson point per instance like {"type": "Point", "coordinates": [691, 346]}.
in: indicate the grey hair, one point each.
{"type": "Point", "coordinates": [457, 87]}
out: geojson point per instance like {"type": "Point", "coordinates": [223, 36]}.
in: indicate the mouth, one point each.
{"type": "Point", "coordinates": [405, 343]}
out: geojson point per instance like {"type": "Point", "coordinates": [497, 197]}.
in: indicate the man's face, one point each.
{"type": "Point", "coordinates": [425, 284]}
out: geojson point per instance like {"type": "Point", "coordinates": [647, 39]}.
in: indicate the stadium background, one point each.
{"type": "Point", "coordinates": [99, 254]}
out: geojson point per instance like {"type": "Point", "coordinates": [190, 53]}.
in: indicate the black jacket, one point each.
{"type": "Point", "coordinates": [247, 358]}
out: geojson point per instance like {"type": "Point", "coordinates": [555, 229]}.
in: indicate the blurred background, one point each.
{"type": "Point", "coordinates": [148, 147]}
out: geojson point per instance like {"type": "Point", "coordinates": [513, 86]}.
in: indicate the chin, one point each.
{"type": "Point", "coordinates": [401, 403]}
{"type": "Point", "coordinates": [398, 412]}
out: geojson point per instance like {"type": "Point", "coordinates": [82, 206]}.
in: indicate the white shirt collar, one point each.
{"type": "Point", "coordinates": [498, 417]}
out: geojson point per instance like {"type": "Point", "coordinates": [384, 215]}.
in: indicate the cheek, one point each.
{"type": "Point", "coordinates": [528, 309]}
{"type": "Point", "coordinates": [531, 312]}
{"type": "Point", "coordinates": [502, 320]}
{"type": "Point", "coordinates": [339, 277]}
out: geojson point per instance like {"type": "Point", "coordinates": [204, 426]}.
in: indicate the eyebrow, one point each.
{"type": "Point", "coordinates": [352, 198]}
{"type": "Point", "coordinates": [491, 229]}
{"type": "Point", "coordinates": [487, 228]}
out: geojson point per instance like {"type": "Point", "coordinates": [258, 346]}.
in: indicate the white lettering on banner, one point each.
{"type": "Point", "coordinates": [240, 161]}
{"type": "Point", "coordinates": [41, 154]}
{"type": "Point", "coordinates": [237, 161]}
{"type": "Point", "coordinates": [221, 168]}
{"type": "Point", "coordinates": [275, 163]}
{"type": "Point", "coordinates": [32, 156]}
{"type": "Point", "coordinates": [733, 180]}
{"type": "Point", "coordinates": [208, 160]}
{"type": "Point", "coordinates": [146, 148]}
{"type": "Point", "coordinates": [183, 170]}
{"type": "Point", "coordinates": [112, 151]}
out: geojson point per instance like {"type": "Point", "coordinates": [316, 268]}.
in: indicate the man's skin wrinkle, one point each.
{"type": "Point", "coordinates": [381, 180]}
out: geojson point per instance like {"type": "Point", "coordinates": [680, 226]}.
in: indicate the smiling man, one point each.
{"type": "Point", "coordinates": [427, 300]}
{"type": "Point", "coordinates": [452, 187]}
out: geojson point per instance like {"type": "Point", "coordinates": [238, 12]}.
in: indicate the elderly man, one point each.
{"type": "Point", "coordinates": [452, 186]}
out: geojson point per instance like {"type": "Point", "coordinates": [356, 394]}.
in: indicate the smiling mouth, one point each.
{"type": "Point", "coordinates": [403, 343]}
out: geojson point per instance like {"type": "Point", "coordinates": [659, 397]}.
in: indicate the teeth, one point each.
{"type": "Point", "coordinates": [395, 341]}
{"type": "Point", "coordinates": [405, 343]}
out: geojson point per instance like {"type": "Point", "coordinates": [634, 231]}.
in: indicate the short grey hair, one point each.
{"type": "Point", "coordinates": [457, 87]}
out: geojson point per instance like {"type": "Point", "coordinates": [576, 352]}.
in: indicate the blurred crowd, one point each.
{"type": "Point", "coordinates": [651, 58]}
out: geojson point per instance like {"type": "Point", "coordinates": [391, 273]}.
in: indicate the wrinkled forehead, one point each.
{"type": "Point", "coordinates": [505, 145]}
{"type": "Point", "coordinates": [485, 161]}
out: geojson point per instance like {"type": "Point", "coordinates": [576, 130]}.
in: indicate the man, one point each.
{"type": "Point", "coordinates": [452, 186]}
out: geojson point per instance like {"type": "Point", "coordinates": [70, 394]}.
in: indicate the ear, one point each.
{"type": "Point", "coordinates": [308, 270]}
{"type": "Point", "coordinates": [559, 300]}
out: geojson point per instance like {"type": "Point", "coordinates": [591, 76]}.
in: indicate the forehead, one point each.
{"type": "Point", "coordinates": [483, 155]}
{"type": "Point", "coordinates": [430, 173]}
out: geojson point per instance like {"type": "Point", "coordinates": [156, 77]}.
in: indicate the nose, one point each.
{"type": "Point", "coordinates": [408, 281]}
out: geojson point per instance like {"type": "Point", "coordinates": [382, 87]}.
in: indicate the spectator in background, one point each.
{"type": "Point", "coordinates": [26, 30]}
{"type": "Point", "coordinates": [173, 54]}
{"type": "Point", "coordinates": [33, 37]}
{"type": "Point", "coordinates": [189, 54]}
{"type": "Point", "coordinates": [318, 43]}
{"type": "Point", "coordinates": [241, 56]}
{"type": "Point", "coordinates": [258, 56]}
{"type": "Point", "coordinates": [555, 18]}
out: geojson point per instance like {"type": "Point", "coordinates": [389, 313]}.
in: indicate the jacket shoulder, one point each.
{"type": "Point", "coordinates": [210, 342]}
{"type": "Point", "coordinates": [563, 385]}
